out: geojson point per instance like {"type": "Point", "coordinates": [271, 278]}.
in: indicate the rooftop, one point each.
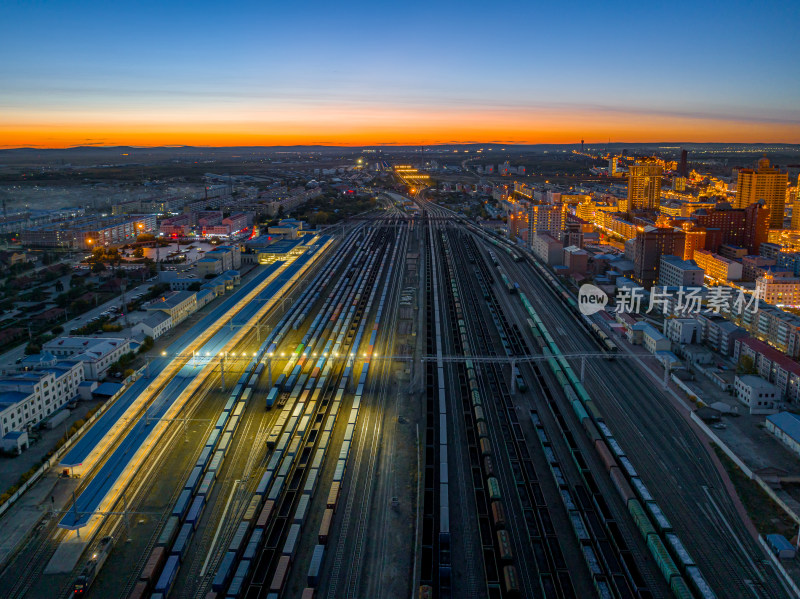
{"type": "Point", "coordinates": [156, 318]}
{"type": "Point", "coordinates": [171, 301]}
{"type": "Point", "coordinates": [682, 264]}
{"type": "Point", "coordinates": [107, 389]}
{"type": "Point", "coordinates": [79, 343]}
{"type": "Point", "coordinates": [789, 423]}
{"type": "Point", "coordinates": [10, 398]}
{"type": "Point", "coordinates": [756, 382]}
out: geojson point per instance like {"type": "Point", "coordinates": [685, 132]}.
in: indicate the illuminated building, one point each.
{"type": "Point", "coordinates": [755, 266]}
{"type": "Point", "coordinates": [586, 210]}
{"type": "Point", "coordinates": [644, 185]}
{"type": "Point", "coordinates": [774, 326]}
{"type": "Point", "coordinates": [679, 183]}
{"type": "Point", "coordinates": [718, 268]}
{"type": "Point", "coordinates": [766, 183]}
{"type": "Point", "coordinates": [574, 199]}
{"type": "Point", "coordinates": [779, 288]}
{"type": "Point", "coordinates": [695, 240]}
{"type": "Point", "coordinates": [787, 239]}
{"type": "Point", "coordinates": [521, 188]}
{"type": "Point", "coordinates": [545, 218]}
{"type": "Point", "coordinates": [683, 207]}
{"type": "Point", "coordinates": [747, 227]}
{"type": "Point", "coordinates": [614, 223]}
{"type": "Point", "coordinates": [612, 166]}
{"type": "Point", "coordinates": [89, 231]}
{"type": "Point", "coordinates": [517, 224]}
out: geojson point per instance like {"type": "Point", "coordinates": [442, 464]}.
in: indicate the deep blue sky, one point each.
{"type": "Point", "coordinates": [389, 70]}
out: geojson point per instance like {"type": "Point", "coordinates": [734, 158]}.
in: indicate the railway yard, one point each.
{"type": "Point", "coordinates": [314, 437]}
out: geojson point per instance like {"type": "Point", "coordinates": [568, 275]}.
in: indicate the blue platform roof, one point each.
{"type": "Point", "coordinates": [87, 443]}
{"type": "Point", "coordinates": [103, 480]}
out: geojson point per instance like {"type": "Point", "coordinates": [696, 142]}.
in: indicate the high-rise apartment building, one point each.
{"type": "Point", "coordinates": [644, 185]}
{"type": "Point", "coordinates": [545, 218]}
{"type": "Point", "coordinates": [649, 246]}
{"type": "Point", "coordinates": [792, 197]}
{"type": "Point", "coordinates": [683, 169]}
{"type": "Point", "coordinates": [747, 227]}
{"type": "Point", "coordinates": [765, 183]}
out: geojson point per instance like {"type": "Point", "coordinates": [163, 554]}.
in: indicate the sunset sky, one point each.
{"type": "Point", "coordinates": [364, 73]}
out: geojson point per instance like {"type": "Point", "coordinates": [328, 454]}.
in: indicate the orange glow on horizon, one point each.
{"type": "Point", "coordinates": [360, 126]}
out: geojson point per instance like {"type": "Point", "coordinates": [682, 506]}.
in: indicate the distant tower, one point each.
{"type": "Point", "coordinates": [684, 166]}
{"type": "Point", "coordinates": [581, 146]}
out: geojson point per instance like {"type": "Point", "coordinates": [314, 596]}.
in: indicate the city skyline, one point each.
{"type": "Point", "coordinates": [361, 74]}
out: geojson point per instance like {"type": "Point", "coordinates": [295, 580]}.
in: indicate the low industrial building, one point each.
{"type": "Point", "coordinates": [786, 427]}
{"type": "Point", "coordinates": [653, 341]}
{"type": "Point", "coordinates": [15, 442]}
{"type": "Point", "coordinates": [760, 396]}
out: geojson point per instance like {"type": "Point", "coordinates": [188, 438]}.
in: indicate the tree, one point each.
{"type": "Point", "coordinates": [59, 286]}
{"type": "Point", "coordinates": [746, 365]}
{"type": "Point", "coordinates": [147, 345]}
{"type": "Point", "coordinates": [98, 267]}
{"type": "Point", "coordinates": [138, 253]}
